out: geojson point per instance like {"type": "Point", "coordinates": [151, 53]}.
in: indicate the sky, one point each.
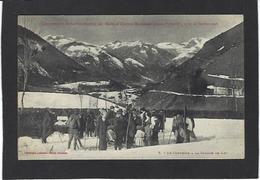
{"type": "Point", "coordinates": [102, 29]}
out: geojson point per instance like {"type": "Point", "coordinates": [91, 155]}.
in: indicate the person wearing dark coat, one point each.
{"type": "Point", "coordinates": [156, 123]}
{"type": "Point", "coordinates": [131, 129]}
{"type": "Point", "coordinates": [162, 119]}
{"type": "Point", "coordinates": [119, 129]}
{"type": "Point", "coordinates": [89, 124]}
{"type": "Point", "coordinates": [192, 134]}
{"type": "Point", "coordinates": [82, 125]}
{"type": "Point", "coordinates": [110, 115]}
{"type": "Point", "coordinates": [47, 127]}
{"type": "Point", "coordinates": [138, 118]}
{"type": "Point", "coordinates": [101, 130]}
{"type": "Point", "coordinates": [126, 114]}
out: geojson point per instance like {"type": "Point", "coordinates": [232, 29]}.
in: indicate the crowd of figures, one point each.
{"type": "Point", "coordinates": [121, 127]}
{"type": "Point", "coordinates": [129, 126]}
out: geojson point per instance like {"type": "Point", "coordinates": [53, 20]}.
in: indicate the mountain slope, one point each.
{"type": "Point", "coordinates": [183, 51]}
{"type": "Point", "coordinates": [46, 65]}
{"type": "Point", "coordinates": [222, 55]}
{"type": "Point", "coordinates": [225, 48]}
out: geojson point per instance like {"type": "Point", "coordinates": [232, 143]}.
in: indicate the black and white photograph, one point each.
{"type": "Point", "coordinates": [130, 87]}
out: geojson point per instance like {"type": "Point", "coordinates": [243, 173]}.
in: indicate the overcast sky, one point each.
{"type": "Point", "coordinates": [102, 29]}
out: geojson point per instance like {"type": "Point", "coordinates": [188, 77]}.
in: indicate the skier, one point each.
{"type": "Point", "coordinates": [89, 124]}
{"type": "Point", "coordinates": [110, 118]}
{"type": "Point", "coordinates": [74, 129]}
{"type": "Point", "coordinates": [155, 125]}
{"type": "Point", "coordinates": [178, 127]}
{"type": "Point", "coordinates": [101, 129]}
{"type": "Point", "coordinates": [119, 129]}
{"type": "Point", "coordinates": [131, 129]}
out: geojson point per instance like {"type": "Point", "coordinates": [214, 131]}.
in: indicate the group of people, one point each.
{"type": "Point", "coordinates": [117, 126]}
{"type": "Point", "coordinates": [129, 126]}
{"type": "Point", "coordinates": [120, 127]}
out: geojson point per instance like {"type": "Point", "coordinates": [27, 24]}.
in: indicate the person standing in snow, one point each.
{"type": "Point", "coordinates": [155, 126]}
{"type": "Point", "coordinates": [101, 129]}
{"type": "Point", "coordinates": [47, 126]}
{"type": "Point", "coordinates": [131, 128]}
{"type": "Point", "coordinates": [162, 119]}
{"type": "Point", "coordinates": [89, 123]}
{"type": "Point", "coordinates": [110, 115]}
{"type": "Point", "coordinates": [119, 129]}
{"type": "Point", "coordinates": [126, 115]}
{"type": "Point", "coordinates": [139, 135]}
{"type": "Point", "coordinates": [110, 118]}
{"type": "Point", "coordinates": [178, 128]}
{"type": "Point", "coordinates": [146, 121]}
{"type": "Point", "coordinates": [74, 129]}
{"type": "Point", "coordinates": [190, 128]}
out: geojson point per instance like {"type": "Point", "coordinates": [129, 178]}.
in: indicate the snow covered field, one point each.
{"type": "Point", "coordinates": [216, 139]}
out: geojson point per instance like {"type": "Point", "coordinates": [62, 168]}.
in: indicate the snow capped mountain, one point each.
{"type": "Point", "coordinates": [161, 53]}
{"type": "Point", "coordinates": [58, 40]}
{"type": "Point", "coordinates": [128, 61]}
{"type": "Point", "coordinates": [133, 62]}
{"type": "Point", "coordinates": [73, 48]}
{"type": "Point", "coordinates": [119, 53]}
{"type": "Point", "coordinates": [86, 53]}
{"type": "Point", "coordinates": [119, 44]}
{"type": "Point", "coordinates": [98, 60]}
{"type": "Point", "coordinates": [183, 51]}
{"type": "Point", "coordinates": [144, 53]}
{"type": "Point", "coordinates": [194, 43]}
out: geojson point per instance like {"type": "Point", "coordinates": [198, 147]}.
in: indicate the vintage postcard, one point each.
{"type": "Point", "coordinates": [130, 87]}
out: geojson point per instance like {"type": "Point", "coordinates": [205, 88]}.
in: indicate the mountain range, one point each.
{"type": "Point", "coordinates": [221, 56]}
{"type": "Point", "coordinates": [133, 63]}
{"type": "Point", "coordinates": [61, 60]}
{"type": "Point", "coordinates": [56, 59]}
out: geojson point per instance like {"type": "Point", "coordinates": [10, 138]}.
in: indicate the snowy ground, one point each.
{"type": "Point", "coordinates": [216, 139]}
